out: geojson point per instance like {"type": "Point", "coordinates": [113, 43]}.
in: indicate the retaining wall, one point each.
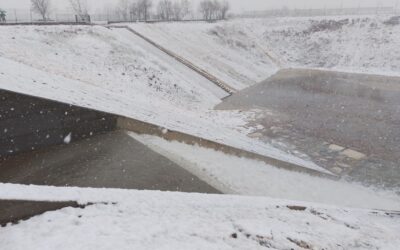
{"type": "Point", "coordinates": [29, 123]}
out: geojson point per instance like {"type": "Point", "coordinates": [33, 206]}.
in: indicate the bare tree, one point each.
{"type": "Point", "coordinates": [225, 7]}
{"type": "Point", "coordinates": [80, 7]}
{"type": "Point", "coordinates": [185, 8]}
{"type": "Point", "coordinates": [42, 7]}
{"type": "Point", "coordinates": [134, 10]}
{"type": "Point", "coordinates": [122, 10]}
{"type": "Point", "coordinates": [206, 9]}
{"type": "Point", "coordinates": [214, 9]}
{"type": "Point", "coordinates": [144, 7]}
{"type": "Point", "coordinates": [177, 11]}
{"type": "Point", "coordinates": [165, 10]}
{"type": "Point", "coordinates": [3, 15]}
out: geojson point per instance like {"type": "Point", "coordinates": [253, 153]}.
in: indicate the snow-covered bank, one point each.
{"type": "Point", "coordinates": [103, 69]}
{"type": "Point", "coordinates": [156, 220]}
{"type": "Point", "coordinates": [230, 55]}
{"type": "Point", "coordinates": [255, 48]}
{"type": "Point", "coordinates": [110, 59]}
{"type": "Point", "coordinates": [234, 175]}
{"type": "Point", "coordinates": [360, 44]}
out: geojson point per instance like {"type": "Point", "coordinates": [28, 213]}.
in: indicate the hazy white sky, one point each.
{"type": "Point", "coordinates": [237, 5]}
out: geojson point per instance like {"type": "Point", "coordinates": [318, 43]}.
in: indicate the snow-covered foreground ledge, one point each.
{"type": "Point", "coordinates": [164, 220]}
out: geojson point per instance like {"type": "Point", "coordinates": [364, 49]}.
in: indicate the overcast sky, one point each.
{"type": "Point", "coordinates": [237, 5]}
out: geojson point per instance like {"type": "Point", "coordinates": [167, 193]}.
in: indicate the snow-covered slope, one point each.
{"type": "Point", "coordinates": [110, 71]}
{"type": "Point", "coordinates": [361, 44]}
{"type": "Point", "coordinates": [230, 54]}
{"type": "Point", "coordinates": [246, 51]}
{"type": "Point", "coordinates": [109, 59]}
{"type": "Point", "coordinates": [156, 220]}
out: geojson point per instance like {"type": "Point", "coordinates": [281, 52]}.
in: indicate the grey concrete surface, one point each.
{"type": "Point", "coordinates": [310, 110]}
{"type": "Point", "coordinates": [28, 123]}
{"type": "Point", "coordinates": [13, 211]}
{"type": "Point", "coordinates": [113, 160]}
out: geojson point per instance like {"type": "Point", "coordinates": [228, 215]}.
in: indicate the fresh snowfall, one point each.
{"type": "Point", "coordinates": [108, 68]}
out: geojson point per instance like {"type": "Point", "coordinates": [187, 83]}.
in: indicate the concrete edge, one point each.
{"type": "Point", "coordinates": [140, 127]}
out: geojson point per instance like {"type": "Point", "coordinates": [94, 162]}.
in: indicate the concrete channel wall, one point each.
{"type": "Point", "coordinates": [29, 123]}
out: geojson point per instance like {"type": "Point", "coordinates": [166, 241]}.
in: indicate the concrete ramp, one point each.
{"type": "Point", "coordinates": [113, 160]}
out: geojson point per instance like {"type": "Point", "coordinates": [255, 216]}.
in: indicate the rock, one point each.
{"type": "Point", "coordinates": [336, 148]}
{"type": "Point", "coordinates": [337, 170]}
{"type": "Point", "coordinates": [353, 154]}
{"type": "Point", "coordinates": [255, 135]}
{"type": "Point", "coordinates": [343, 165]}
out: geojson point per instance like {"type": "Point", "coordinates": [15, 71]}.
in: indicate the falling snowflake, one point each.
{"type": "Point", "coordinates": [67, 139]}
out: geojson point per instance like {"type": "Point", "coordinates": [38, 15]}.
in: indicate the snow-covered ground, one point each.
{"type": "Point", "coordinates": [246, 51]}
{"type": "Point", "coordinates": [108, 59]}
{"type": "Point", "coordinates": [233, 55]}
{"type": "Point", "coordinates": [156, 220]}
{"type": "Point", "coordinates": [359, 44]}
{"type": "Point", "coordinates": [113, 71]}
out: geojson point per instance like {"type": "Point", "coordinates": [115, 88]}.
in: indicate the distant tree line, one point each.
{"type": "Point", "coordinates": [214, 9]}
{"type": "Point", "coordinates": [131, 10]}
{"type": "Point", "coordinates": [144, 10]}
{"type": "Point", "coordinates": [170, 10]}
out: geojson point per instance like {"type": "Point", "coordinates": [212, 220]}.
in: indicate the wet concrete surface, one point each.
{"type": "Point", "coordinates": [309, 112]}
{"type": "Point", "coordinates": [13, 211]}
{"type": "Point", "coordinates": [113, 160]}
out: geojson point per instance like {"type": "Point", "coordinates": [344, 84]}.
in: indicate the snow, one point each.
{"type": "Point", "coordinates": [102, 69]}
{"type": "Point", "coordinates": [246, 51]}
{"type": "Point", "coordinates": [234, 175]}
{"type": "Point", "coordinates": [231, 55]}
{"type": "Point", "coordinates": [67, 139]}
{"type": "Point", "coordinates": [108, 59]}
{"type": "Point", "coordinates": [113, 71]}
{"type": "Point", "coordinates": [359, 44]}
{"type": "Point", "coordinates": [128, 219]}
